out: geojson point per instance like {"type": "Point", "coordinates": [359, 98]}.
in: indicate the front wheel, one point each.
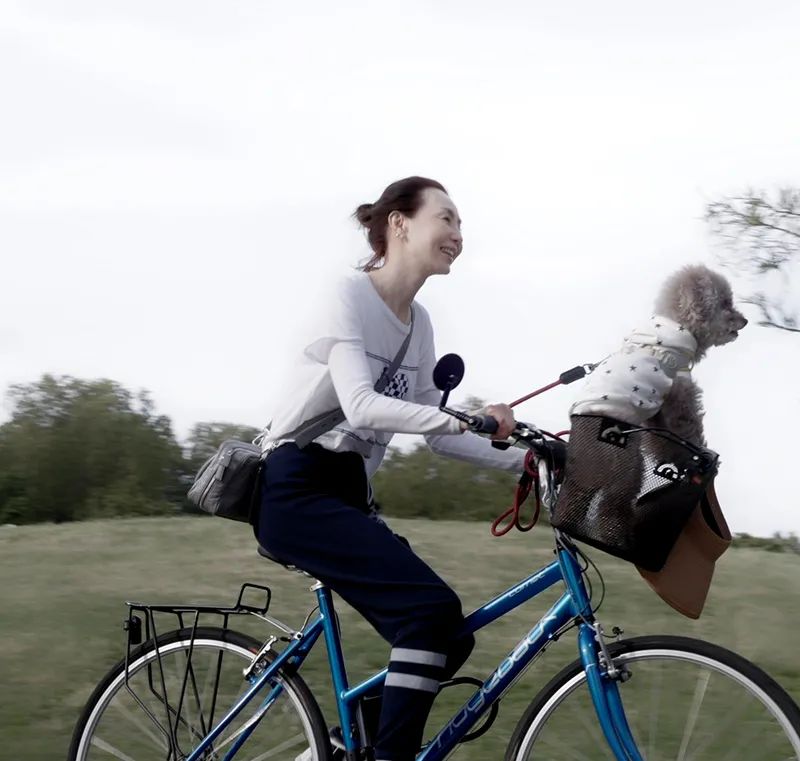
{"type": "Point", "coordinates": [686, 700]}
{"type": "Point", "coordinates": [178, 689]}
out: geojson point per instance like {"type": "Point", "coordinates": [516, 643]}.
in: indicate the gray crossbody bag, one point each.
{"type": "Point", "coordinates": [227, 483]}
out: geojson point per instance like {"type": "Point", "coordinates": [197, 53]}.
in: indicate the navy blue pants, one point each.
{"type": "Point", "coordinates": [315, 514]}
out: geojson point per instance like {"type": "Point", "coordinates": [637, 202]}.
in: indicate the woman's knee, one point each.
{"type": "Point", "coordinates": [458, 653]}
{"type": "Point", "coordinates": [439, 620]}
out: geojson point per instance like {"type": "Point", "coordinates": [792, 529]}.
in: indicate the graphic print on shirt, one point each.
{"type": "Point", "coordinates": [397, 386]}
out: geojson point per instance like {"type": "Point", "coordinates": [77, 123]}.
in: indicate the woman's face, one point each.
{"type": "Point", "coordinates": [433, 235]}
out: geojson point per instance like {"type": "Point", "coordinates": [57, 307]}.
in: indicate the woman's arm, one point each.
{"type": "Point", "coordinates": [339, 343]}
{"type": "Point", "coordinates": [365, 408]}
{"type": "Point", "coordinates": [472, 448]}
{"type": "Point", "coordinates": [477, 450]}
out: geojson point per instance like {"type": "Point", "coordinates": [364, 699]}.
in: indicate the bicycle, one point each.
{"type": "Point", "coordinates": [204, 692]}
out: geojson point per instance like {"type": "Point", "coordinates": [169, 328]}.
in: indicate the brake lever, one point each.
{"type": "Point", "coordinates": [528, 431]}
{"type": "Point", "coordinates": [523, 432]}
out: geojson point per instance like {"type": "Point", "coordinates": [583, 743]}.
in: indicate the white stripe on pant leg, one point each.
{"type": "Point", "coordinates": [425, 657]}
{"type": "Point", "coordinates": [411, 682]}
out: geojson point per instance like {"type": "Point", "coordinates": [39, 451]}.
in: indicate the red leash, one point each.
{"type": "Point", "coordinates": [568, 376]}
{"type": "Point", "coordinates": [536, 393]}
{"type": "Point", "coordinates": [529, 477]}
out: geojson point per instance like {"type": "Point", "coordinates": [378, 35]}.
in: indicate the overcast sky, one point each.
{"type": "Point", "coordinates": [176, 179]}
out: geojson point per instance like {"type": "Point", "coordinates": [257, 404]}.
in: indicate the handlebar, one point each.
{"type": "Point", "coordinates": [549, 461]}
{"type": "Point", "coordinates": [525, 434]}
{"type": "Point", "coordinates": [553, 451]}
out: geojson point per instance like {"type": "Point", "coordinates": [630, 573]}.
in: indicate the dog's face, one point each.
{"type": "Point", "coordinates": [702, 301]}
{"type": "Point", "coordinates": [714, 304]}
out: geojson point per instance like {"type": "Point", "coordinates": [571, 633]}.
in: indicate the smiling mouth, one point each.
{"type": "Point", "coordinates": [449, 252]}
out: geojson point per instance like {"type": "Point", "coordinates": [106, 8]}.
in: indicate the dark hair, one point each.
{"type": "Point", "coordinates": [404, 196]}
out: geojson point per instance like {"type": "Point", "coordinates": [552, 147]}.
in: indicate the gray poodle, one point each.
{"type": "Point", "coordinates": [648, 383]}
{"type": "Point", "coordinates": [701, 301]}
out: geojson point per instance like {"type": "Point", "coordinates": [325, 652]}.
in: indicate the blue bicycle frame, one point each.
{"type": "Point", "coordinates": [572, 606]}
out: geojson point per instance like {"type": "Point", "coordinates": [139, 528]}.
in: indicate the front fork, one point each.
{"type": "Point", "coordinates": [603, 678]}
{"type": "Point", "coordinates": [602, 675]}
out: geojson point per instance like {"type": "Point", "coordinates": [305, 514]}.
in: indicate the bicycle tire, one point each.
{"type": "Point", "coordinates": [298, 709]}
{"type": "Point", "coordinates": [766, 726]}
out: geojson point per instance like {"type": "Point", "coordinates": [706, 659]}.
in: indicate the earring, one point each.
{"type": "Point", "coordinates": [396, 233]}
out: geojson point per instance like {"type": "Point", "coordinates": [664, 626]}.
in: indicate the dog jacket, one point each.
{"type": "Point", "coordinates": [631, 384]}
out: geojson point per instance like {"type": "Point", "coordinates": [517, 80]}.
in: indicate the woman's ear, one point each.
{"type": "Point", "coordinates": [396, 224]}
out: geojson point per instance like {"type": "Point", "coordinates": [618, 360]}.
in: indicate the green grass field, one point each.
{"type": "Point", "coordinates": [64, 587]}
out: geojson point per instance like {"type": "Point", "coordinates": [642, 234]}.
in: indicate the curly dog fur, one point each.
{"type": "Point", "coordinates": [702, 302]}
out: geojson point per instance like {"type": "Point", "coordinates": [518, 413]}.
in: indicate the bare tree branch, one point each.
{"type": "Point", "coordinates": [772, 316]}
{"type": "Point", "coordinates": [762, 236]}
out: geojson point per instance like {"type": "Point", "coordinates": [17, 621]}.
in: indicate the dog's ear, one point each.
{"type": "Point", "coordinates": [696, 296]}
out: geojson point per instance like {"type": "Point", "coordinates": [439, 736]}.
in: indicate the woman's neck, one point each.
{"type": "Point", "coordinates": [397, 288]}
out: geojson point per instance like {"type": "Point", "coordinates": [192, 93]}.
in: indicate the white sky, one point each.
{"type": "Point", "coordinates": [176, 179]}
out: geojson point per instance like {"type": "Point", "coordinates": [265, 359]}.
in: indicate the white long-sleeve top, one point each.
{"type": "Point", "coordinates": [352, 339]}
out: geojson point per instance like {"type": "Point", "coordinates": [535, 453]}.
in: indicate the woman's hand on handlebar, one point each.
{"type": "Point", "coordinates": [505, 420]}
{"type": "Point", "coordinates": [504, 417]}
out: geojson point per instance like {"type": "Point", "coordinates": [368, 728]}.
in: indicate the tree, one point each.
{"type": "Point", "coordinates": [762, 234]}
{"type": "Point", "coordinates": [75, 449]}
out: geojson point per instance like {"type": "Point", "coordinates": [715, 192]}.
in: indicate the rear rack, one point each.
{"type": "Point", "coordinates": [133, 624]}
{"type": "Point", "coordinates": [143, 624]}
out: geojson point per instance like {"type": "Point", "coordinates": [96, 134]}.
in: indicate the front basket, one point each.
{"type": "Point", "coordinates": [629, 490]}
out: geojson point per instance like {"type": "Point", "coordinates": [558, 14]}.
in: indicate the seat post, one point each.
{"type": "Point", "coordinates": [333, 643]}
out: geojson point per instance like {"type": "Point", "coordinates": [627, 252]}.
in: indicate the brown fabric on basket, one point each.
{"type": "Point", "coordinates": [684, 580]}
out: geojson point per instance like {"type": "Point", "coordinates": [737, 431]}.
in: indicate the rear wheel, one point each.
{"type": "Point", "coordinates": [686, 700]}
{"type": "Point", "coordinates": [177, 691]}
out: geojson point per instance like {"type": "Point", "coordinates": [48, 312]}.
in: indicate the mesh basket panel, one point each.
{"type": "Point", "coordinates": [628, 491]}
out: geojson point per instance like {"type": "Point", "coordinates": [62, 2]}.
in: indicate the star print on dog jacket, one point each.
{"type": "Point", "coordinates": [631, 384]}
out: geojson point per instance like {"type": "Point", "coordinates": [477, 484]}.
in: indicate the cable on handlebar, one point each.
{"type": "Point", "coordinates": [577, 553]}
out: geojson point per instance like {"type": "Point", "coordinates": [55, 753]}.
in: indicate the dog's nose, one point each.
{"type": "Point", "coordinates": [744, 321]}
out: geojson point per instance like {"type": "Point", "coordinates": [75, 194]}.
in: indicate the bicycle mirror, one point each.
{"type": "Point", "coordinates": [447, 374]}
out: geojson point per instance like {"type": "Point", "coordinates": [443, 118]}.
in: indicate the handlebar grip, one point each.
{"type": "Point", "coordinates": [483, 424]}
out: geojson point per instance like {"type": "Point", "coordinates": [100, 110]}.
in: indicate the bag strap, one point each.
{"type": "Point", "coordinates": [388, 372]}
{"type": "Point", "coordinates": [327, 421]}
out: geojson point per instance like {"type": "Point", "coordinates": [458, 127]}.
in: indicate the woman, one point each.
{"type": "Point", "coordinates": [316, 510]}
